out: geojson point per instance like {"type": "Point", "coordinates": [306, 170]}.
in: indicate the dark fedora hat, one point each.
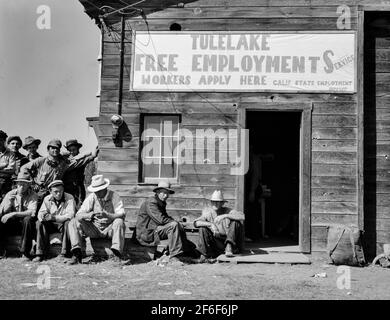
{"type": "Point", "coordinates": [73, 142]}
{"type": "Point", "coordinates": [165, 185]}
{"type": "Point", "coordinates": [11, 138]}
{"type": "Point", "coordinates": [29, 141]}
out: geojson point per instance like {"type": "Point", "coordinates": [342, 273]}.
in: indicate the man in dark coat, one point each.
{"type": "Point", "coordinates": [154, 224]}
{"type": "Point", "coordinates": [74, 178]}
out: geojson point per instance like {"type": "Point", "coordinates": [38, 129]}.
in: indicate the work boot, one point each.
{"type": "Point", "coordinates": [26, 258]}
{"type": "Point", "coordinates": [3, 254]}
{"type": "Point", "coordinates": [76, 257]}
{"type": "Point", "coordinates": [204, 259]}
{"type": "Point", "coordinates": [38, 259]}
{"type": "Point", "coordinates": [229, 250]}
{"type": "Point", "coordinates": [118, 258]}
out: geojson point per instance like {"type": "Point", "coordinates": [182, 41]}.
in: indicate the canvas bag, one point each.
{"type": "Point", "coordinates": [345, 246]}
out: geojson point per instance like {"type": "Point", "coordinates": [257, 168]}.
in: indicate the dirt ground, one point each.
{"type": "Point", "coordinates": [108, 280]}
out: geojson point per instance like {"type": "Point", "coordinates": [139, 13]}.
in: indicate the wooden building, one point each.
{"type": "Point", "coordinates": [330, 147]}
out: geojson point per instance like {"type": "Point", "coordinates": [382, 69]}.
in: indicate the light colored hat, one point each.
{"type": "Point", "coordinates": [217, 196]}
{"type": "Point", "coordinates": [98, 183]}
{"type": "Point", "coordinates": [55, 143]}
{"type": "Point", "coordinates": [29, 141]}
{"type": "Point", "coordinates": [23, 177]}
{"type": "Point", "coordinates": [55, 183]}
{"type": "Point", "coordinates": [164, 185]}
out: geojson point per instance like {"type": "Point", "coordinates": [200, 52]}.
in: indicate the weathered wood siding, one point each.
{"type": "Point", "coordinates": [334, 122]}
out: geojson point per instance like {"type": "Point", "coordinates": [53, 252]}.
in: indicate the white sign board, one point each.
{"type": "Point", "coordinates": [244, 61]}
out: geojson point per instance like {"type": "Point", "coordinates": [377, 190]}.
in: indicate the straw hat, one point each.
{"type": "Point", "coordinates": [164, 185]}
{"type": "Point", "coordinates": [217, 196]}
{"type": "Point", "coordinates": [98, 183]}
{"type": "Point", "coordinates": [23, 177]}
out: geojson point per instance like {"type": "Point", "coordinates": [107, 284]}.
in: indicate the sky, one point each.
{"type": "Point", "coordinates": [48, 78]}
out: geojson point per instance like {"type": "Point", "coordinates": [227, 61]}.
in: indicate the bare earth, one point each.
{"type": "Point", "coordinates": [107, 280]}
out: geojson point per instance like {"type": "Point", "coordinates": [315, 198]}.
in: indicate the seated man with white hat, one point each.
{"type": "Point", "coordinates": [154, 224]}
{"type": "Point", "coordinates": [220, 229]}
{"type": "Point", "coordinates": [57, 209]}
{"type": "Point", "coordinates": [15, 211]}
{"type": "Point", "coordinates": [100, 216]}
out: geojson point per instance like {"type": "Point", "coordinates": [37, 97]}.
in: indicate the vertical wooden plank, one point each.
{"type": "Point", "coordinates": [305, 183]}
{"type": "Point", "coordinates": [360, 118]}
{"type": "Point", "coordinates": [241, 178]}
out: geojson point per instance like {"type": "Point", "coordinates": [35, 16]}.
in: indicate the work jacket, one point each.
{"type": "Point", "coordinates": [151, 215]}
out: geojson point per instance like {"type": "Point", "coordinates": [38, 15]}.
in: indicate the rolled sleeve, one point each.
{"type": "Point", "coordinates": [32, 205]}
{"type": "Point", "coordinates": [118, 205]}
{"type": "Point", "coordinates": [87, 205]}
{"type": "Point", "coordinates": [70, 208]}
{"type": "Point", "coordinates": [43, 211]}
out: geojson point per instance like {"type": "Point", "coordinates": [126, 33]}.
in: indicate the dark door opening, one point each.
{"type": "Point", "coordinates": [271, 202]}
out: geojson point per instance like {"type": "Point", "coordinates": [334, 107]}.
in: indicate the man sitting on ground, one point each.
{"type": "Point", "coordinates": [154, 224]}
{"type": "Point", "coordinates": [15, 211]}
{"type": "Point", "coordinates": [57, 209]}
{"type": "Point", "coordinates": [100, 216]}
{"type": "Point", "coordinates": [220, 228]}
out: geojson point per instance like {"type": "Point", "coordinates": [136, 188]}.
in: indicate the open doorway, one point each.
{"type": "Point", "coordinates": [271, 202]}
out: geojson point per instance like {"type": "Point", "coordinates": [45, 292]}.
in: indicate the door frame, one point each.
{"type": "Point", "coordinates": [304, 162]}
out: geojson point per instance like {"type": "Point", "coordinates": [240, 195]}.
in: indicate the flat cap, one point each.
{"type": "Point", "coordinates": [55, 143]}
{"type": "Point", "coordinates": [55, 183]}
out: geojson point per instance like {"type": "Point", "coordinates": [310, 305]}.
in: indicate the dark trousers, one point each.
{"type": "Point", "coordinates": [44, 229]}
{"type": "Point", "coordinates": [177, 239]}
{"type": "Point", "coordinates": [77, 191]}
{"type": "Point", "coordinates": [5, 186]}
{"type": "Point", "coordinates": [211, 246]}
{"type": "Point", "coordinates": [19, 226]}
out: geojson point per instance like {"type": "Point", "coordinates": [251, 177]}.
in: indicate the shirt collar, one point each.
{"type": "Point", "coordinates": [107, 197]}
{"type": "Point", "coordinates": [62, 200]}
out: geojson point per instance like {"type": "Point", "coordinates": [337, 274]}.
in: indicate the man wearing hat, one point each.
{"type": "Point", "coordinates": [74, 178]}
{"type": "Point", "coordinates": [16, 210]}
{"type": "Point", "coordinates": [7, 166]}
{"type": "Point", "coordinates": [154, 224]}
{"type": "Point", "coordinates": [31, 145]}
{"type": "Point", "coordinates": [220, 228]}
{"type": "Point", "coordinates": [101, 215]}
{"type": "Point", "coordinates": [45, 170]}
{"type": "Point", "coordinates": [57, 209]}
{"type": "Point", "coordinates": [14, 144]}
